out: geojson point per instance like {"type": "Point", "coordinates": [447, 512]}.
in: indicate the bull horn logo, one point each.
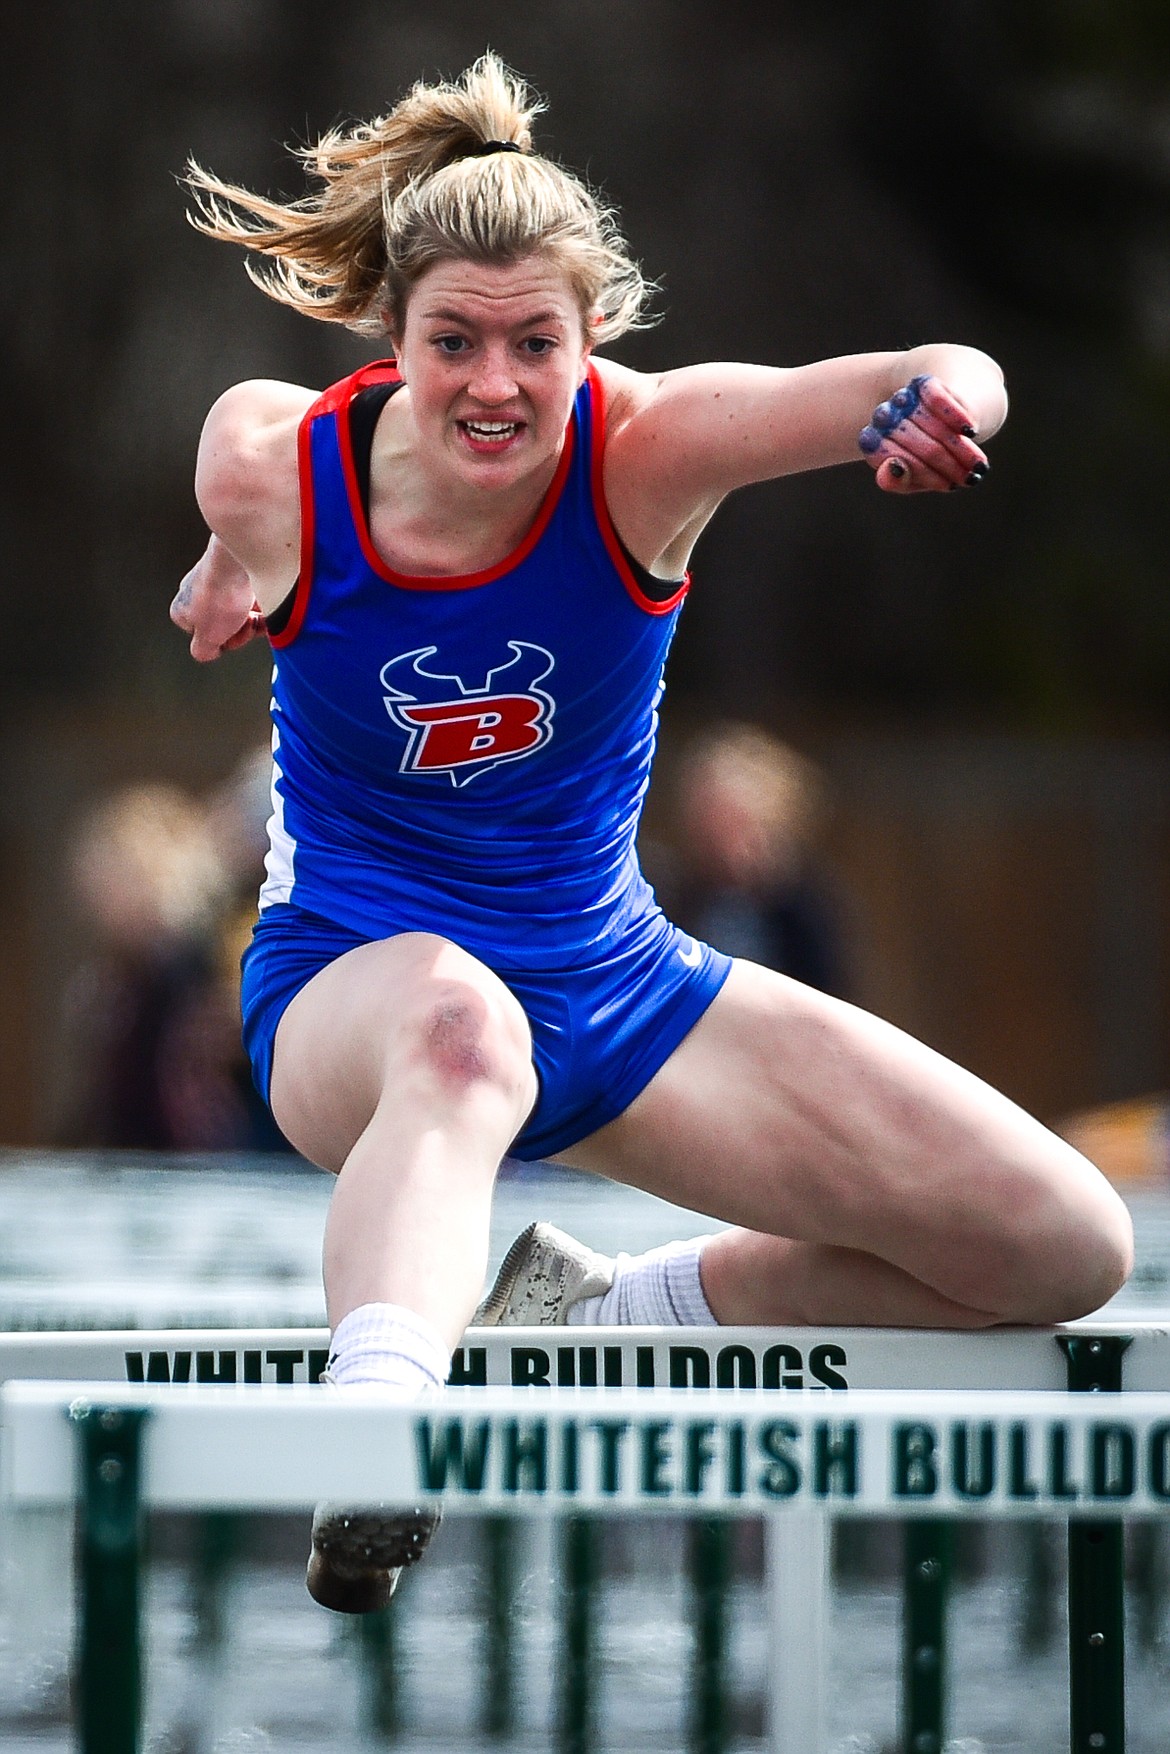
{"type": "Point", "coordinates": [463, 730]}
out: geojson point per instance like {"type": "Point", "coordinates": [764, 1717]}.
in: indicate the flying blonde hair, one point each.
{"type": "Point", "coordinates": [415, 187]}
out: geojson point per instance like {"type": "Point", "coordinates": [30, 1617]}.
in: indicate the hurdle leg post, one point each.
{"type": "Point", "coordinates": [217, 1542]}
{"type": "Point", "coordinates": [578, 1654]}
{"type": "Point", "coordinates": [1096, 1582]}
{"type": "Point", "coordinates": [926, 1586]}
{"type": "Point", "coordinates": [109, 1665]}
{"type": "Point", "coordinates": [381, 1708]}
{"type": "Point", "coordinates": [1147, 1564]}
{"type": "Point", "coordinates": [219, 1537]}
{"type": "Point", "coordinates": [797, 1559]}
{"type": "Point", "coordinates": [1038, 1619]}
{"type": "Point", "coordinates": [499, 1656]}
{"type": "Point", "coordinates": [710, 1543]}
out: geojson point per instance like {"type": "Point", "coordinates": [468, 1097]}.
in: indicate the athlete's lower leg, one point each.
{"type": "Point", "coordinates": [409, 1218]}
{"type": "Point", "coordinates": [661, 1288]}
{"type": "Point", "coordinates": [407, 1070]}
{"type": "Point", "coordinates": [732, 1278]}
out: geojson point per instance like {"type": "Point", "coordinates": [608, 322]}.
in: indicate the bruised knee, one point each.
{"type": "Point", "coordinates": [412, 1027]}
{"type": "Point", "coordinates": [468, 1038]}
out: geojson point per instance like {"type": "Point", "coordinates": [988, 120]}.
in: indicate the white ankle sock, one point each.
{"type": "Point", "coordinates": [660, 1289]}
{"type": "Point", "coordinates": [389, 1345]}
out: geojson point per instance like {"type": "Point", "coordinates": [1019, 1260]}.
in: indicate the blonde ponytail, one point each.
{"type": "Point", "coordinates": [415, 187]}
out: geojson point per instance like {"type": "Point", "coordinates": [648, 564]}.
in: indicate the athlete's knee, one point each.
{"type": "Point", "coordinates": [1103, 1259]}
{"type": "Point", "coordinates": [468, 1035]}
{"type": "Point", "coordinates": [1067, 1258]}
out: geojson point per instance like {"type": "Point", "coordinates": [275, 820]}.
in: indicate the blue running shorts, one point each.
{"type": "Point", "coordinates": [599, 1033]}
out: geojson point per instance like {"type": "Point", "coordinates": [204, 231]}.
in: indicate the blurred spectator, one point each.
{"type": "Point", "coordinates": [153, 1012]}
{"type": "Point", "coordinates": [746, 878]}
{"type": "Point", "coordinates": [237, 819]}
{"type": "Point", "coordinates": [237, 816]}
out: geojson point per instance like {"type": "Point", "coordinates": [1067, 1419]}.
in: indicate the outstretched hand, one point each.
{"type": "Point", "coordinates": [216, 606]}
{"type": "Point", "coordinates": [922, 441]}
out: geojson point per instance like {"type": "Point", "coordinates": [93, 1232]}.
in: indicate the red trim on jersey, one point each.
{"type": "Point", "coordinates": [427, 581]}
{"type": "Point", "coordinates": [652, 605]}
{"type": "Point", "coordinates": [331, 401]}
{"type": "Point", "coordinates": [339, 396]}
{"type": "Point", "coordinates": [304, 582]}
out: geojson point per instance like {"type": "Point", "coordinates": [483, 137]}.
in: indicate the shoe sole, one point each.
{"type": "Point", "coordinates": [358, 1557]}
{"type": "Point", "coordinates": [496, 1303]}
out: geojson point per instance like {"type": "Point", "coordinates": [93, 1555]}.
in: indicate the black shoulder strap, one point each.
{"type": "Point", "coordinates": [363, 411]}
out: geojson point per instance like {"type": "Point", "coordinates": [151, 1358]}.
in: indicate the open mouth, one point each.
{"type": "Point", "coordinates": [490, 434]}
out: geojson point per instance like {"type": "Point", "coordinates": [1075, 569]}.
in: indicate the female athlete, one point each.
{"type": "Point", "coordinates": [469, 561]}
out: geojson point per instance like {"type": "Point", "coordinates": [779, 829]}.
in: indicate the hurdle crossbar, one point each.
{"type": "Point", "coordinates": [619, 1358]}
{"type": "Point", "coordinates": [866, 1452]}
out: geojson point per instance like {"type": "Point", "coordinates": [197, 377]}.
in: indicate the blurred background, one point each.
{"type": "Point", "coordinates": [971, 692]}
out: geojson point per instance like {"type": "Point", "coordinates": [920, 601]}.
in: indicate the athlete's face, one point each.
{"type": "Point", "coordinates": [493, 357]}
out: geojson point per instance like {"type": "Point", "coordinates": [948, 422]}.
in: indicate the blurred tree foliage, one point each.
{"type": "Point", "coordinates": [803, 181]}
{"type": "Point", "coordinates": [1049, 190]}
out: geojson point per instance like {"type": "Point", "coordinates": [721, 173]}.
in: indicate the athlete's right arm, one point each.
{"type": "Point", "coordinates": [247, 489]}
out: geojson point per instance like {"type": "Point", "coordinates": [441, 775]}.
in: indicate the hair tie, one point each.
{"type": "Point", "coordinates": [486, 146]}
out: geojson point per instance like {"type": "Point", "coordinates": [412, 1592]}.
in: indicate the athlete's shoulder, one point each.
{"type": "Point", "coordinates": [250, 416]}
{"type": "Point", "coordinates": [626, 392]}
{"type": "Point", "coordinates": [246, 471]}
{"type": "Point", "coordinates": [251, 431]}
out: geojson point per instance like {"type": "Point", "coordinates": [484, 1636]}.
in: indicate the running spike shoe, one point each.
{"type": "Point", "coordinates": [543, 1274]}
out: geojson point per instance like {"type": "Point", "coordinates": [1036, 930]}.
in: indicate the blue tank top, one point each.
{"type": "Point", "coordinates": [466, 755]}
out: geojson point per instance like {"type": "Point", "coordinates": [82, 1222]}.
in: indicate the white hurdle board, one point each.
{"type": "Point", "coordinates": [797, 1458]}
{"type": "Point", "coordinates": [818, 1359]}
{"type": "Point", "coordinates": [865, 1452]}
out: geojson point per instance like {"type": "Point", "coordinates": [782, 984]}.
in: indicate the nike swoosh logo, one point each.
{"type": "Point", "coordinates": [693, 955]}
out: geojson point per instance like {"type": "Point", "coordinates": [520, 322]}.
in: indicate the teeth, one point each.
{"type": "Point", "coordinates": [491, 428]}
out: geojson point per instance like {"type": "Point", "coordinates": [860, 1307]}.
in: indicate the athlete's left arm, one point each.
{"type": "Point", "coordinates": [682, 441]}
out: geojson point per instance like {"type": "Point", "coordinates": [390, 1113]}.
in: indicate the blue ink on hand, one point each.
{"type": "Point", "coordinates": [901, 405]}
{"type": "Point", "coordinates": [887, 415]}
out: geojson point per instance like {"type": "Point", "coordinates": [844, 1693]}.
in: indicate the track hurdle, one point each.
{"type": "Point", "coordinates": [1081, 1358]}
{"type": "Point", "coordinates": [920, 1454]}
{"type": "Point", "coordinates": [1100, 1356]}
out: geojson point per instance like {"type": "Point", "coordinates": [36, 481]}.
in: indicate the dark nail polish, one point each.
{"type": "Point", "coordinates": [967, 431]}
{"type": "Point", "coordinates": [897, 470]}
{"type": "Point", "coordinates": [978, 473]}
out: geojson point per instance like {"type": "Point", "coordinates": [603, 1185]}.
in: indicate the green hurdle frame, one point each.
{"type": "Point", "coordinates": [1096, 1601]}
{"type": "Point", "coordinates": [1096, 1582]}
{"type": "Point", "coordinates": [109, 1675]}
{"type": "Point", "coordinates": [1092, 1358]}
{"type": "Point", "coordinates": [111, 1549]}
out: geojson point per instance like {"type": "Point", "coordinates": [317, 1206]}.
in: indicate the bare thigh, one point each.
{"type": "Point", "coordinates": [794, 1114]}
{"type": "Point", "coordinates": [411, 1019]}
